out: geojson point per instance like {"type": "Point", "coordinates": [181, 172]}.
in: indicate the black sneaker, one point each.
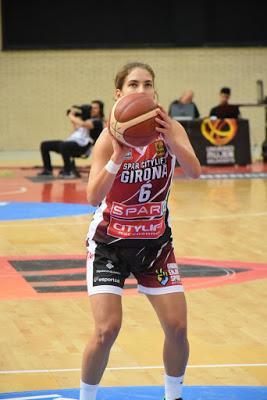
{"type": "Point", "coordinates": [67, 175]}
{"type": "Point", "coordinates": [45, 172]}
{"type": "Point", "coordinates": [180, 398]}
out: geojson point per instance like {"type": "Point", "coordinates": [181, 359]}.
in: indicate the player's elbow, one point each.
{"type": "Point", "coordinates": [196, 170]}
{"type": "Point", "coordinates": [92, 199]}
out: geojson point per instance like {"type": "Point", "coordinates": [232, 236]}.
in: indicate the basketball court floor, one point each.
{"type": "Point", "coordinates": [219, 224]}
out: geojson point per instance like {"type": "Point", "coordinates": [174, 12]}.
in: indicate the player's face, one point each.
{"type": "Point", "coordinates": [139, 80]}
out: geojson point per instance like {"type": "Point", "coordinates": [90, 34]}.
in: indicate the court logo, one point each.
{"type": "Point", "coordinates": [162, 276]}
{"type": "Point", "coordinates": [219, 131]}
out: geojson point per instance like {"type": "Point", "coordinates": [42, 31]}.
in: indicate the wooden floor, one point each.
{"type": "Point", "coordinates": [216, 222]}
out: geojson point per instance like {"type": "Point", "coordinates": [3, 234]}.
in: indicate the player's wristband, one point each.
{"type": "Point", "coordinates": [112, 167]}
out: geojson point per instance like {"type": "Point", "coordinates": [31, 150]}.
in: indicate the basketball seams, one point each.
{"type": "Point", "coordinates": [136, 107]}
{"type": "Point", "coordinates": [132, 120]}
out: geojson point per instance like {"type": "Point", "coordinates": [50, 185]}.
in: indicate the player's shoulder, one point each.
{"type": "Point", "coordinates": [103, 143]}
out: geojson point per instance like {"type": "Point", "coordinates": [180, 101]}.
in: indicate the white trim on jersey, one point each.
{"type": "Point", "coordinates": [168, 180]}
{"type": "Point", "coordinates": [89, 264]}
{"type": "Point", "coordinates": [97, 218]}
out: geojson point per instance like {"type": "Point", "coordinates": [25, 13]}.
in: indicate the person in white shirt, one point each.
{"type": "Point", "coordinates": [88, 122]}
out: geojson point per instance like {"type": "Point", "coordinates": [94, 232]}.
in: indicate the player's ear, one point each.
{"type": "Point", "coordinates": [156, 97]}
{"type": "Point", "coordinates": [118, 94]}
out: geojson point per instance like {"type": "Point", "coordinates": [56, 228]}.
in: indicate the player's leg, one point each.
{"type": "Point", "coordinates": [171, 311]}
{"type": "Point", "coordinates": [105, 283]}
{"type": "Point", "coordinates": [162, 284]}
{"type": "Point", "coordinates": [107, 314]}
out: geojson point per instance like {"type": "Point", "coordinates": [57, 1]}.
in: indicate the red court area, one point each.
{"type": "Point", "coordinates": [61, 276]}
{"type": "Point", "coordinates": [22, 184]}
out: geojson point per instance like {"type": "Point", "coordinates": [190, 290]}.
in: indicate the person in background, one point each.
{"type": "Point", "coordinates": [184, 106]}
{"type": "Point", "coordinates": [224, 109]}
{"type": "Point", "coordinates": [88, 122]}
{"type": "Point", "coordinates": [141, 243]}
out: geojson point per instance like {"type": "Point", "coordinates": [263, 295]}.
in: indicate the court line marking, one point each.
{"type": "Point", "coordinates": [226, 216]}
{"type": "Point", "coordinates": [22, 189]}
{"type": "Point", "coordinates": [38, 371]}
{"type": "Point", "coordinates": [43, 396]}
{"type": "Point", "coordinates": [240, 215]}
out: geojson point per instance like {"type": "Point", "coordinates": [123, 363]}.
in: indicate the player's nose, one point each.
{"type": "Point", "coordinates": [141, 89]}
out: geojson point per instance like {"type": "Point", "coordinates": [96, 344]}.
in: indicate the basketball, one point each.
{"type": "Point", "coordinates": [132, 120]}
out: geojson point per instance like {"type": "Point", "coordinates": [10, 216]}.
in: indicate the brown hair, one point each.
{"type": "Point", "coordinates": [126, 69]}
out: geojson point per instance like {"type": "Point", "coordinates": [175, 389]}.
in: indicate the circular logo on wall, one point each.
{"type": "Point", "coordinates": [219, 131]}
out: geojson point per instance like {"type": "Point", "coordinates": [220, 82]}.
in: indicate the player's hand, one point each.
{"type": "Point", "coordinates": [119, 150]}
{"type": "Point", "coordinates": [167, 127]}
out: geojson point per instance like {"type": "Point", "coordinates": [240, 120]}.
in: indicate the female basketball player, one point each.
{"type": "Point", "coordinates": [130, 233]}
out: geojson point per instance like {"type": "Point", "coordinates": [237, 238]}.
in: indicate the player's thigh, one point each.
{"type": "Point", "coordinates": [106, 310]}
{"type": "Point", "coordinates": [171, 309]}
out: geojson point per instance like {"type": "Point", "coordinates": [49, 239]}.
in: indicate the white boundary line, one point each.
{"type": "Point", "coordinates": [39, 371]}
{"type": "Point", "coordinates": [15, 223]}
{"type": "Point", "coordinates": [21, 189]}
{"type": "Point", "coordinates": [44, 396]}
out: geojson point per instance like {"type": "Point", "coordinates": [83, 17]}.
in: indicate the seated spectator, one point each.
{"type": "Point", "coordinates": [224, 109]}
{"type": "Point", "coordinates": [184, 107]}
{"type": "Point", "coordinates": [88, 123]}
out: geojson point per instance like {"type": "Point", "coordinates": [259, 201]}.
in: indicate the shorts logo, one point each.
{"type": "Point", "coordinates": [109, 265]}
{"type": "Point", "coordinates": [162, 276]}
{"type": "Point", "coordinates": [174, 273]}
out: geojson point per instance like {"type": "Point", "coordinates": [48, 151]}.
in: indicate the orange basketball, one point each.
{"type": "Point", "coordinates": [132, 120]}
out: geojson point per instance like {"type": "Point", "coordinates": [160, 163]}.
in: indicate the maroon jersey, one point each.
{"type": "Point", "coordinates": [135, 209]}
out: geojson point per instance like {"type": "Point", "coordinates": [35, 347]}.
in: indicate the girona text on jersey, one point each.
{"type": "Point", "coordinates": [144, 171]}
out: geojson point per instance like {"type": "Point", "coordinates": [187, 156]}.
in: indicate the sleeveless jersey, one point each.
{"type": "Point", "coordinates": [135, 211]}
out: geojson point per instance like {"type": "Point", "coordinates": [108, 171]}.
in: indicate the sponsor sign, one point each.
{"type": "Point", "coordinates": [139, 229]}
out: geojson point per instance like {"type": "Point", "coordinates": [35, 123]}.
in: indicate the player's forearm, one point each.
{"type": "Point", "coordinates": [100, 184]}
{"type": "Point", "coordinates": [187, 159]}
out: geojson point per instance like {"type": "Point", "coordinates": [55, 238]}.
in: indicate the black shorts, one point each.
{"type": "Point", "coordinates": [154, 268]}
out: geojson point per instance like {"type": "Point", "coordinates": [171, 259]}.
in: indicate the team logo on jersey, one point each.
{"type": "Point", "coordinates": [160, 149]}
{"type": "Point", "coordinates": [129, 155]}
{"type": "Point", "coordinates": [162, 276]}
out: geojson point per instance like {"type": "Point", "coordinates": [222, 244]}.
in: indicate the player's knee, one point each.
{"type": "Point", "coordinates": [106, 335]}
{"type": "Point", "coordinates": [177, 331]}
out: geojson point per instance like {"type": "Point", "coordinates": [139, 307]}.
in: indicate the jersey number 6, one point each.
{"type": "Point", "coordinates": [145, 192]}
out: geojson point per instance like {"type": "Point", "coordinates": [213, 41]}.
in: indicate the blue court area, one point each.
{"type": "Point", "coordinates": [10, 211]}
{"type": "Point", "coordinates": [150, 393]}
